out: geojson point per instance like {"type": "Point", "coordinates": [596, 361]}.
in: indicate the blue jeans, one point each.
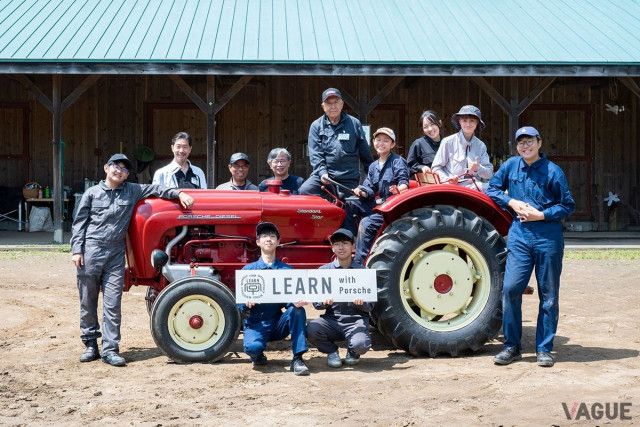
{"type": "Point", "coordinates": [257, 334]}
{"type": "Point", "coordinates": [538, 245]}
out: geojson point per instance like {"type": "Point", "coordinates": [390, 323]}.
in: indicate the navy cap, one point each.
{"type": "Point", "coordinates": [467, 110]}
{"type": "Point", "coordinates": [120, 158]}
{"type": "Point", "coordinates": [238, 156]}
{"type": "Point", "coordinates": [527, 131]}
{"type": "Point", "coordinates": [328, 93]}
{"type": "Point", "coordinates": [265, 227]}
{"type": "Point", "coordinates": [341, 235]}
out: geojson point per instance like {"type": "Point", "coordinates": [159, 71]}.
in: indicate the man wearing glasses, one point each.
{"type": "Point", "coordinates": [98, 248]}
{"type": "Point", "coordinates": [279, 160]}
{"type": "Point", "coordinates": [539, 199]}
{"type": "Point", "coordinates": [239, 168]}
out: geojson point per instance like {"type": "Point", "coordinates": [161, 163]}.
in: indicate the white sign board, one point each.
{"type": "Point", "coordinates": [280, 286]}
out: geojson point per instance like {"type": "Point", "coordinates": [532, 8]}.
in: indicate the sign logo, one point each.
{"type": "Point", "coordinates": [252, 286]}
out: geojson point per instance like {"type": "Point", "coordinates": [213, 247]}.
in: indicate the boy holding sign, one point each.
{"type": "Point", "coordinates": [267, 322]}
{"type": "Point", "coordinates": [342, 320]}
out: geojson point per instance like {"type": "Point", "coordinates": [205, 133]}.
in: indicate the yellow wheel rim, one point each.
{"type": "Point", "coordinates": [445, 284]}
{"type": "Point", "coordinates": [196, 322]}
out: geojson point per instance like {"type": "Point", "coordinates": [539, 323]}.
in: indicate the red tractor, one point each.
{"type": "Point", "coordinates": [439, 259]}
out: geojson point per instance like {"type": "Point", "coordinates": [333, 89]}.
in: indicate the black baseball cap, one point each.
{"type": "Point", "coordinates": [328, 93]}
{"type": "Point", "coordinates": [265, 227]}
{"type": "Point", "coordinates": [238, 156]}
{"type": "Point", "coordinates": [120, 158]}
{"type": "Point", "coordinates": [342, 234]}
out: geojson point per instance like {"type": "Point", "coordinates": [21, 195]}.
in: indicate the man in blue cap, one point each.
{"type": "Point", "coordinates": [98, 248]}
{"type": "Point", "coordinates": [342, 320]}
{"type": "Point", "coordinates": [337, 145]}
{"type": "Point", "coordinates": [538, 198]}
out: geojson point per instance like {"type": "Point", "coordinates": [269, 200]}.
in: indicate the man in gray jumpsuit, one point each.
{"type": "Point", "coordinates": [342, 320]}
{"type": "Point", "coordinates": [98, 247]}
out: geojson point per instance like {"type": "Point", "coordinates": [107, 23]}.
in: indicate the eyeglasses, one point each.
{"type": "Point", "coordinates": [241, 166]}
{"type": "Point", "coordinates": [280, 161]}
{"type": "Point", "coordinates": [526, 142]}
{"type": "Point", "coordinates": [119, 168]}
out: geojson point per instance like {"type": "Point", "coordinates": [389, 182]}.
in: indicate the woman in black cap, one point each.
{"type": "Point", "coordinates": [463, 152]}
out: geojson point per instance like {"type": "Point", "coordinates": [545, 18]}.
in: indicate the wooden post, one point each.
{"type": "Point", "coordinates": [211, 132]}
{"type": "Point", "coordinates": [57, 160]}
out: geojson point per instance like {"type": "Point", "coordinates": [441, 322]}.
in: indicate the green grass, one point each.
{"type": "Point", "coordinates": [599, 254]}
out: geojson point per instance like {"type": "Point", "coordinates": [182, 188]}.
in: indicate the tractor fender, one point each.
{"type": "Point", "coordinates": [446, 194]}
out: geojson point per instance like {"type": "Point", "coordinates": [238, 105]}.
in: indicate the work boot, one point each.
{"type": "Point", "coordinates": [298, 366]}
{"type": "Point", "coordinates": [114, 359]}
{"type": "Point", "coordinates": [260, 360]}
{"type": "Point", "coordinates": [545, 359]}
{"type": "Point", "coordinates": [507, 355]}
{"type": "Point", "coordinates": [333, 360]}
{"type": "Point", "coordinates": [91, 352]}
{"type": "Point", "coordinates": [351, 359]}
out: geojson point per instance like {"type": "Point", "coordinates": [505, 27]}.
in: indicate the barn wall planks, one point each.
{"type": "Point", "coordinates": [125, 111]}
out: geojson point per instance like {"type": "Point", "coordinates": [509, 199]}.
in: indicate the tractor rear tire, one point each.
{"type": "Point", "coordinates": [195, 319]}
{"type": "Point", "coordinates": [440, 272]}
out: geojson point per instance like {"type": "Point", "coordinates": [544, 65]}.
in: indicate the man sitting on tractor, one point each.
{"type": "Point", "coordinates": [267, 322]}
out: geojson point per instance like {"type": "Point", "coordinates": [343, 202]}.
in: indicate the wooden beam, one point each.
{"type": "Point", "coordinates": [191, 94]}
{"type": "Point", "coordinates": [534, 94]}
{"type": "Point", "coordinates": [78, 91]}
{"type": "Point", "coordinates": [363, 100]}
{"type": "Point", "coordinates": [211, 133]}
{"type": "Point", "coordinates": [233, 90]}
{"type": "Point", "coordinates": [57, 158]}
{"type": "Point", "coordinates": [311, 69]}
{"type": "Point", "coordinates": [493, 93]}
{"type": "Point", "coordinates": [631, 84]}
{"type": "Point", "coordinates": [384, 92]}
{"type": "Point", "coordinates": [35, 90]}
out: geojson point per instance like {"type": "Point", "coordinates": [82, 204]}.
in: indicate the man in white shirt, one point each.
{"type": "Point", "coordinates": [180, 173]}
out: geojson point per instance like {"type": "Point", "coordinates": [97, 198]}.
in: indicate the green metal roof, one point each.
{"type": "Point", "coordinates": [369, 32]}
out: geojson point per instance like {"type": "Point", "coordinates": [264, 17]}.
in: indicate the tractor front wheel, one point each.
{"type": "Point", "coordinates": [195, 319]}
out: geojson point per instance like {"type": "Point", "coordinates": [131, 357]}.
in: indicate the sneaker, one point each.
{"type": "Point", "coordinates": [113, 359]}
{"type": "Point", "coordinates": [352, 358]}
{"type": "Point", "coordinates": [298, 367]}
{"type": "Point", "coordinates": [91, 353]}
{"type": "Point", "coordinates": [333, 360]}
{"type": "Point", "coordinates": [260, 360]}
{"type": "Point", "coordinates": [508, 355]}
{"type": "Point", "coordinates": [545, 359]}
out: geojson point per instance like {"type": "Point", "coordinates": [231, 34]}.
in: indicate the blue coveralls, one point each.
{"type": "Point", "coordinates": [267, 322]}
{"type": "Point", "coordinates": [336, 150]}
{"type": "Point", "coordinates": [538, 244]}
{"type": "Point", "coordinates": [342, 320]}
{"type": "Point", "coordinates": [99, 232]}
{"type": "Point", "coordinates": [394, 172]}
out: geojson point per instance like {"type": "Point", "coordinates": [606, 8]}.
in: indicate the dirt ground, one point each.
{"type": "Point", "coordinates": [42, 382]}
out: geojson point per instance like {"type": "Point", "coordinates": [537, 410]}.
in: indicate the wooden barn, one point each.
{"type": "Point", "coordinates": [82, 80]}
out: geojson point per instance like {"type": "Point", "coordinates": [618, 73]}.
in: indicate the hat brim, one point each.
{"type": "Point", "coordinates": [341, 237]}
{"type": "Point", "coordinates": [127, 163]}
{"type": "Point", "coordinates": [456, 117]}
